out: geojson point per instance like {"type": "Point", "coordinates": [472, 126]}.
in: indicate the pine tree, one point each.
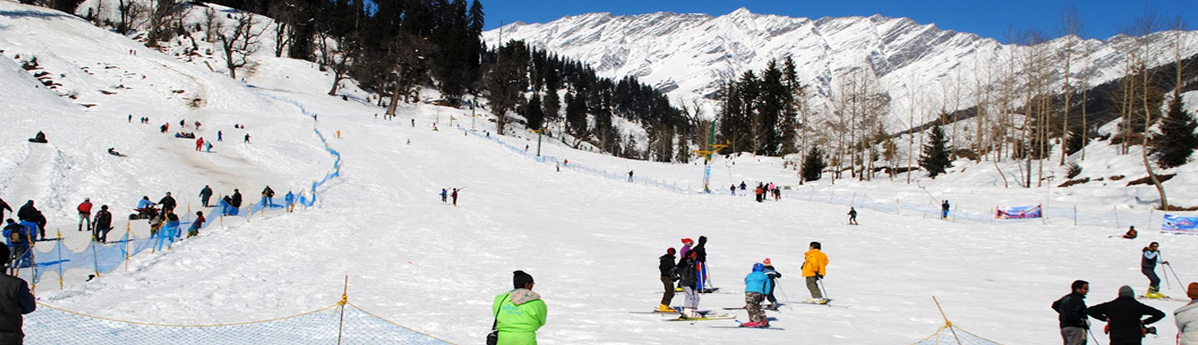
{"type": "Point", "coordinates": [935, 155]}
{"type": "Point", "coordinates": [813, 165]}
{"type": "Point", "coordinates": [533, 113]}
{"type": "Point", "coordinates": [1077, 140]}
{"type": "Point", "coordinates": [1176, 141]}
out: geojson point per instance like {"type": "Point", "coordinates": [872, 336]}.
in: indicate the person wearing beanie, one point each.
{"type": "Point", "coordinates": [519, 313]}
{"type": "Point", "coordinates": [1186, 318]}
{"type": "Point", "coordinates": [1125, 317]}
{"type": "Point", "coordinates": [15, 301]}
{"type": "Point", "coordinates": [815, 266]}
{"type": "Point", "coordinates": [102, 225]}
{"type": "Point", "coordinates": [666, 266]}
{"type": "Point", "coordinates": [773, 274]}
{"type": "Point", "coordinates": [1071, 311]}
{"type": "Point", "coordinates": [1148, 261]}
{"type": "Point", "coordinates": [686, 247]}
{"type": "Point", "coordinates": [687, 280]}
{"type": "Point", "coordinates": [756, 284]}
{"type": "Point", "coordinates": [701, 266]}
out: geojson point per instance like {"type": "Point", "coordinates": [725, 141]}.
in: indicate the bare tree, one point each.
{"type": "Point", "coordinates": [1071, 26]}
{"type": "Point", "coordinates": [284, 12]}
{"type": "Point", "coordinates": [407, 53]}
{"type": "Point", "coordinates": [131, 12]}
{"type": "Point", "coordinates": [163, 16]}
{"type": "Point", "coordinates": [241, 42]}
{"type": "Point", "coordinates": [1145, 26]}
{"type": "Point", "coordinates": [337, 54]}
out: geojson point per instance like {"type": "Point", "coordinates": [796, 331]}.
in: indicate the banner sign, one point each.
{"type": "Point", "coordinates": [1018, 212]}
{"type": "Point", "coordinates": [1179, 224]}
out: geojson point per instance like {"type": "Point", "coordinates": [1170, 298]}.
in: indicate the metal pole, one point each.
{"type": "Point", "coordinates": [947, 323]}
{"type": "Point", "coordinates": [344, 301]}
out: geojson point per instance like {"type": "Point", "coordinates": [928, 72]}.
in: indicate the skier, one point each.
{"type": "Point", "coordinates": [220, 136]}
{"type": "Point", "coordinates": [454, 195]}
{"type": "Point", "coordinates": [103, 225]}
{"type": "Point", "coordinates": [1186, 318]}
{"type": "Point", "coordinates": [85, 213]}
{"type": "Point", "coordinates": [1131, 233]}
{"type": "Point", "coordinates": [758, 192]}
{"type": "Point", "coordinates": [164, 127]}
{"type": "Point", "coordinates": [774, 275]}
{"type": "Point", "coordinates": [208, 146]}
{"type": "Point", "coordinates": [1125, 317]}
{"type": "Point", "coordinates": [630, 176]}
{"type": "Point", "coordinates": [197, 125]}
{"type": "Point", "coordinates": [1072, 313]}
{"type": "Point", "coordinates": [268, 196]}
{"type": "Point", "coordinates": [701, 265]}
{"type": "Point", "coordinates": [247, 138]}
{"type": "Point", "coordinates": [194, 230]}
{"type": "Point", "coordinates": [167, 202]}
{"type": "Point", "coordinates": [687, 279]}
{"type": "Point", "coordinates": [17, 238]}
{"type": "Point", "coordinates": [732, 189]}
{"type": "Point", "coordinates": [519, 313]}
{"type": "Point", "coordinates": [756, 285]}
{"type": "Point", "coordinates": [199, 143]}
{"type": "Point", "coordinates": [1148, 267]}
{"type": "Point", "coordinates": [742, 186]}
{"type": "Point", "coordinates": [852, 216]}
{"type": "Point", "coordinates": [666, 266]}
{"type": "Point", "coordinates": [686, 247]}
{"type": "Point", "coordinates": [444, 195]}
{"type": "Point", "coordinates": [944, 210]}
{"type": "Point", "coordinates": [205, 195]}
{"type": "Point", "coordinates": [815, 266]}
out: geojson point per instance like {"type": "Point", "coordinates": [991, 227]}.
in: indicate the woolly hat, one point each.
{"type": "Point", "coordinates": [1126, 291]}
{"type": "Point", "coordinates": [519, 278]}
{"type": "Point", "coordinates": [687, 240]}
{"type": "Point", "coordinates": [757, 267]}
{"type": "Point", "coordinates": [1192, 291]}
{"type": "Point", "coordinates": [670, 251]}
{"type": "Point", "coordinates": [767, 262]}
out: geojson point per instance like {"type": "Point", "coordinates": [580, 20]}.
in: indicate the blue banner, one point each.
{"type": "Point", "coordinates": [1179, 224]}
{"type": "Point", "coordinates": [1018, 212]}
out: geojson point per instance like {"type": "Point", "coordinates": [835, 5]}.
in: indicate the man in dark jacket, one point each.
{"type": "Point", "coordinates": [205, 195]}
{"type": "Point", "coordinates": [103, 224]}
{"type": "Point", "coordinates": [236, 200]}
{"type": "Point", "coordinates": [687, 280]}
{"type": "Point", "coordinates": [15, 301]}
{"type": "Point", "coordinates": [267, 195]}
{"type": "Point", "coordinates": [1072, 314]}
{"type": "Point", "coordinates": [666, 266]}
{"type": "Point", "coordinates": [1125, 317]}
{"type": "Point", "coordinates": [701, 264]}
{"type": "Point", "coordinates": [167, 202]}
{"type": "Point", "coordinates": [27, 212]}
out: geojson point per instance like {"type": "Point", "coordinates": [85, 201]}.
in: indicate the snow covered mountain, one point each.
{"type": "Point", "coordinates": [918, 65]}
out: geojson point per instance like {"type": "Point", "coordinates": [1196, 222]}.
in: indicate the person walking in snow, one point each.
{"type": "Point", "coordinates": [1148, 267]}
{"type": "Point", "coordinates": [444, 195]}
{"type": "Point", "coordinates": [167, 202]}
{"type": "Point", "coordinates": [630, 176]}
{"type": "Point", "coordinates": [289, 201]}
{"type": "Point", "coordinates": [17, 237]}
{"type": "Point", "coordinates": [194, 230]}
{"type": "Point", "coordinates": [1125, 317]}
{"type": "Point", "coordinates": [15, 301]}
{"type": "Point", "coordinates": [85, 213]}
{"type": "Point", "coordinates": [666, 266]}
{"type": "Point", "coordinates": [756, 285]}
{"type": "Point", "coordinates": [852, 216]}
{"type": "Point", "coordinates": [732, 189]}
{"type": "Point", "coordinates": [944, 210]}
{"type": "Point", "coordinates": [687, 279]}
{"type": "Point", "coordinates": [208, 146]}
{"type": "Point", "coordinates": [200, 143]}
{"type": "Point", "coordinates": [103, 225]}
{"type": "Point", "coordinates": [247, 138]}
{"type": "Point", "coordinates": [268, 196]}
{"type": "Point", "coordinates": [815, 267]}
{"type": "Point", "coordinates": [519, 313]}
{"type": "Point", "coordinates": [454, 196]}
{"type": "Point", "coordinates": [205, 195]}
{"type": "Point", "coordinates": [197, 125]}
{"type": "Point", "coordinates": [1071, 310]}
{"type": "Point", "coordinates": [1186, 318]}
{"type": "Point", "coordinates": [220, 136]}
{"type": "Point", "coordinates": [27, 212]}
{"type": "Point", "coordinates": [774, 275]}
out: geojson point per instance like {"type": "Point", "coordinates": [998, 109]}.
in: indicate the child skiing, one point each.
{"type": "Point", "coordinates": [756, 285]}
{"type": "Point", "coordinates": [815, 266]}
{"type": "Point", "coordinates": [852, 216]}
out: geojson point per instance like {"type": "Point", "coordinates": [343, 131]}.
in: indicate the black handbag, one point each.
{"type": "Point", "coordinates": [493, 337]}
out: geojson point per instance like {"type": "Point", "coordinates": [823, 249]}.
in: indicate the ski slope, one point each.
{"type": "Point", "coordinates": [591, 243]}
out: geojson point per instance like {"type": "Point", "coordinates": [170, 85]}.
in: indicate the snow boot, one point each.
{"type": "Point", "coordinates": [750, 324]}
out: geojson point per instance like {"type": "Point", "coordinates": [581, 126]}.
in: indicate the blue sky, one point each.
{"type": "Point", "coordinates": [1100, 18]}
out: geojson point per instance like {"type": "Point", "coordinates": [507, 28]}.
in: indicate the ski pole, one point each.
{"type": "Point", "coordinates": [784, 297]}
{"type": "Point", "coordinates": [1092, 336]}
{"type": "Point", "coordinates": [821, 287]}
{"type": "Point", "coordinates": [1162, 259]}
{"type": "Point", "coordinates": [1179, 283]}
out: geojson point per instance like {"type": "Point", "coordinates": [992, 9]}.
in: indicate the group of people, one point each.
{"type": "Point", "coordinates": [446, 194]}
{"type": "Point", "coordinates": [690, 272]}
{"type": "Point", "coordinates": [1124, 315]}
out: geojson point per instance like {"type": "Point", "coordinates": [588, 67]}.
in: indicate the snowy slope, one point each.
{"type": "Point", "coordinates": [590, 242]}
{"type": "Point", "coordinates": [690, 55]}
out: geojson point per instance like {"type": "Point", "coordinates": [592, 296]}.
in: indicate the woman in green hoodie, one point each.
{"type": "Point", "coordinates": [519, 313]}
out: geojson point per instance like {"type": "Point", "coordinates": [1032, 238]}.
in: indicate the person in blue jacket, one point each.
{"type": "Point", "coordinates": [756, 285]}
{"type": "Point", "coordinates": [17, 237]}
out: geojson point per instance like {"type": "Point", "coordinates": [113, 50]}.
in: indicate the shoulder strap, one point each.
{"type": "Point", "coordinates": [495, 323]}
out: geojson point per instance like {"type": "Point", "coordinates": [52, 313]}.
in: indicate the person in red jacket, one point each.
{"type": "Point", "coordinates": [195, 226]}
{"type": "Point", "coordinates": [199, 144]}
{"type": "Point", "coordinates": [85, 213]}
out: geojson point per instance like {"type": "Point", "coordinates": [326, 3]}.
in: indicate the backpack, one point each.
{"type": "Point", "coordinates": [17, 235]}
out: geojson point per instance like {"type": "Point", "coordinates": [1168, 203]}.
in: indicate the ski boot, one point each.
{"type": "Point", "coordinates": [773, 307]}
{"type": "Point", "coordinates": [1154, 292]}
{"type": "Point", "coordinates": [665, 309]}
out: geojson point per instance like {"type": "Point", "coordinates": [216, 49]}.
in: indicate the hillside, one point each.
{"type": "Point", "coordinates": [590, 241]}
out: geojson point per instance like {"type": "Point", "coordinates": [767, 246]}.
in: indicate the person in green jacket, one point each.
{"type": "Point", "coordinates": [519, 313]}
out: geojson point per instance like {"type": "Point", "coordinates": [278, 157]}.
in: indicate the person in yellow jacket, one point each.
{"type": "Point", "coordinates": [519, 313]}
{"type": "Point", "coordinates": [815, 266]}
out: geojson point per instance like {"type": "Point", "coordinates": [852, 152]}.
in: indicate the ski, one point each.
{"type": "Point", "coordinates": [1165, 298]}
{"type": "Point", "coordinates": [763, 328]}
{"type": "Point", "coordinates": [706, 318]}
